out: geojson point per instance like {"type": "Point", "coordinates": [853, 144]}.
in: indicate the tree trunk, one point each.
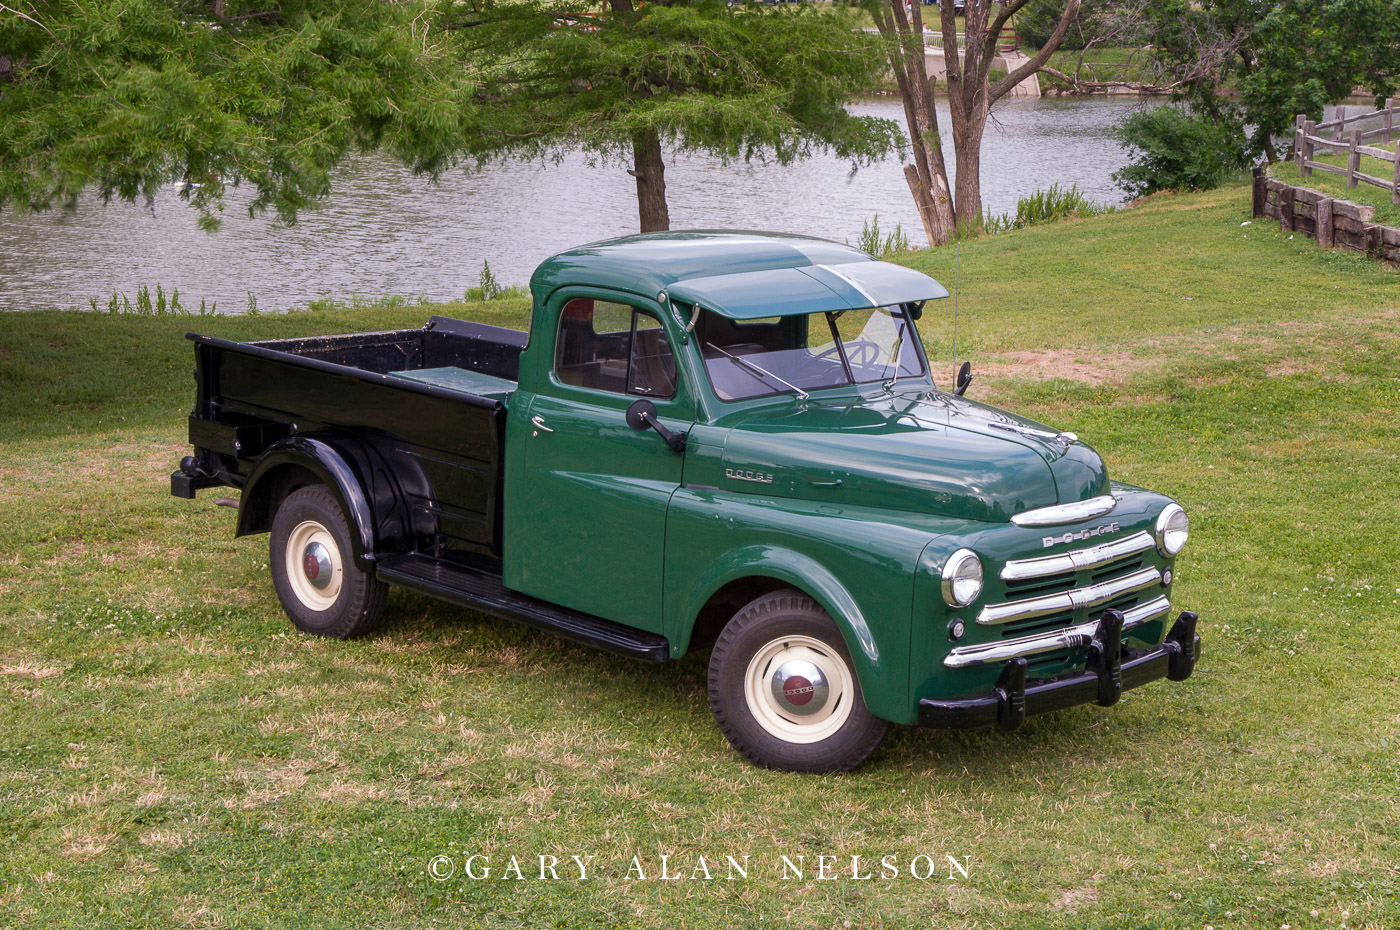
{"type": "Point", "coordinates": [1268, 146]}
{"type": "Point", "coordinates": [650, 172]}
{"type": "Point", "coordinates": [968, 108]}
{"type": "Point", "coordinates": [928, 175]}
{"type": "Point", "coordinates": [967, 149]}
{"type": "Point", "coordinates": [971, 94]}
{"type": "Point", "coordinates": [928, 181]}
{"type": "Point", "coordinates": [647, 165]}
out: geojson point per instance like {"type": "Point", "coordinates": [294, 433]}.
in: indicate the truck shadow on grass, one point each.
{"type": "Point", "coordinates": [560, 683]}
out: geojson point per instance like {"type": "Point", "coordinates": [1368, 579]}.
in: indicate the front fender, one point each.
{"type": "Point", "coordinates": [798, 570]}
{"type": "Point", "coordinates": [269, 480]}
{"type": "Point", "coordinates": [857, 563]}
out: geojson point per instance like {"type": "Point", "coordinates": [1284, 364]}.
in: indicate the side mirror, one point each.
{"type": "Point", "coordinates": [642, 415]}
{"type": "Point", "coordinates": [964, 379]}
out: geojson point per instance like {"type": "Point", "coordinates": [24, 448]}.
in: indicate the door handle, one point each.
{"type": "Point", "coordinates": [538, 423]}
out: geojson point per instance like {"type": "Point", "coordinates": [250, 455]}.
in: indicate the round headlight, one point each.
{"type": "Point", "coordinates": [1172, 530]}
{"type": "Point", "coordinates": [962, 578]}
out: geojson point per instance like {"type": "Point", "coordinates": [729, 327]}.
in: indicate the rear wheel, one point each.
{"type": "Point", "coordinates": [784, 691]}
{"type": "Point", "coordinates": [320, 588]}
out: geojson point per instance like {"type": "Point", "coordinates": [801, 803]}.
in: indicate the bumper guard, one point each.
{"type": "Point", "coordinates": [1107, 674]}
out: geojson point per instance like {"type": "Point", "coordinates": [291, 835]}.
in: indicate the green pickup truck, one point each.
{"type": "Point", "coordinates": [716, 440]}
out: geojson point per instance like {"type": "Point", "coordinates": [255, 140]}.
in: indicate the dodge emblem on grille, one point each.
{"type": "Point", "coordinates": [1103, 529]}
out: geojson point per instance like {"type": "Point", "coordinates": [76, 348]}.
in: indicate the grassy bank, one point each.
{"type": "Point", "coordinates": [173, 754]}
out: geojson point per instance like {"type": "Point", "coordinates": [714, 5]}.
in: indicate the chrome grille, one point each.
{"type": "Point", "coordinates": [1045, 593]}
{"type": "Point", "coordinates": [1031, 587]}
{"type": "Point", "coordinates": [1097, 594]}
{"type": "Point", "coordinates": [1113, 571]}
{"type": "Point", "coordinates": [1078, 559]}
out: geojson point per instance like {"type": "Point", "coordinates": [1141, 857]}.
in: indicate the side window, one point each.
{"type": "Point", "coordinates": [653, 368]}
{"type": "Point", "coordinates": [613, 347]}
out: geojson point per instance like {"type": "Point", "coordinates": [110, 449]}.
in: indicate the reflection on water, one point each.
{"type": "Point", "coordinates": [386, 232]}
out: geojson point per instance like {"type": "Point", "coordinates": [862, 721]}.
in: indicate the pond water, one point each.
{"type": "Point", "coordinates": [384, 231]}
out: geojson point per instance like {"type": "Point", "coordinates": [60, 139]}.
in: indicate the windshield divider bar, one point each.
{"type": "Point", "coordinates": [840, 348]}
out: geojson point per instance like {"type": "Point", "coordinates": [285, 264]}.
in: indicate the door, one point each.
{"type": "Point", "coordinates": [596, 491]}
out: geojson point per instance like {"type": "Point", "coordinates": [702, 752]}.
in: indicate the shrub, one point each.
{"type": "Point", "coordinates": [1177, 151]}
{"type": "Point", "coordinates": [1046, 206]}
{"type": "Point", "coordinates": [162, 304]}
{"type": "Point", "coordinates": [491, 289]}
{"type": "Point", "coordinates": [873, 242]}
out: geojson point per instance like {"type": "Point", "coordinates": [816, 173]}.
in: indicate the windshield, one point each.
{"type": "Point", "coordinates": [796, 354]}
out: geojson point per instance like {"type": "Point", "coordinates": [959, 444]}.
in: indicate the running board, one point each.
{"type": "Point", "coordinates": [483, 591]}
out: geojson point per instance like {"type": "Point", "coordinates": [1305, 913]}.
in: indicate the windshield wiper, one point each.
{"type": "Point", "coordinates": [762, 371]}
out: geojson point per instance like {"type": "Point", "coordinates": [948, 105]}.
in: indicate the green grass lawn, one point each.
{"type": "Point", "coordinates": [1335, 185]}
{"type": "Point", "coordinates": [174, 754]}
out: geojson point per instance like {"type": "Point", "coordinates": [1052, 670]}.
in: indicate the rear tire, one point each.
{"type": "Point", "coordinates": [784, 692]}
{"type": "Point", "coordinates": [320, 588]}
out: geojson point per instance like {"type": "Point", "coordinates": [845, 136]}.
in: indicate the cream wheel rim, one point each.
{"type": "Point", "coordinates": [314, 565]}
{"type": "Point", "coordinates": [799, 689]}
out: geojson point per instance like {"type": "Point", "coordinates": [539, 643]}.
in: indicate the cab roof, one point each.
{"type": "Point", "coordinates": [741, 275]}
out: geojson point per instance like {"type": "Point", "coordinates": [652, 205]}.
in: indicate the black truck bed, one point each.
{"type": "Point", "coordinates": [435, 395]}
{"type": "Point", "coordinates": [443, 345]}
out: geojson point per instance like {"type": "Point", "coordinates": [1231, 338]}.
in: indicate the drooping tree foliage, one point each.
{"type": "Point", "coordinates": [123, 96]}
{"type": "Point", "coordinates": [632, 80]}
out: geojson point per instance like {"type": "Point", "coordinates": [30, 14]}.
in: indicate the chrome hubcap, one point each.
{"type": "Point", "coordinates": [315, 571]}
{"type": "Point", "coordinates": [800, 688]}
{"type": "Point", "coordinates": [316, 563]}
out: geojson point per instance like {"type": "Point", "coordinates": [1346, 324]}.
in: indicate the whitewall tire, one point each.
{"type": "Point", "coordinates": [313, 569]}
{"type": "Point", "coordinates": [783, 688]}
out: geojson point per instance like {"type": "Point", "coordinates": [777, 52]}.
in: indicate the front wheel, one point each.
{"type": "Point", "coordinates": [320, 588]}
{"type": "Point", "coordinates": [784, 692]}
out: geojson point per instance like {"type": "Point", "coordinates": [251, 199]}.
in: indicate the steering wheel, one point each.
{"type": "Point", "coordinates": [861, 353]}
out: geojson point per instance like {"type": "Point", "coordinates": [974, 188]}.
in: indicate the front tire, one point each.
{"type": "Point", "coordinates": [320, 588]}
{"type": "Point", "coordinates": [784, 692]}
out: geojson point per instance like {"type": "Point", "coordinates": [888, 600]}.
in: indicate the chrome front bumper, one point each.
{"type": "Point", "coordinates": [1108, 673]}
{"type": "Point", "coordinates": [1072, 637]}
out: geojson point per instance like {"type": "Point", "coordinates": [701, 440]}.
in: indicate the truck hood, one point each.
{"type": "Point", "coordinates": [928, 452]}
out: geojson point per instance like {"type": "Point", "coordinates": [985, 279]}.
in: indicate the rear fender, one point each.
{"type": "Point", "coordinates": [339, 465]}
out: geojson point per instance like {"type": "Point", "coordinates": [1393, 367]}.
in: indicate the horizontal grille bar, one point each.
{"type": "Point", "coordinates": [1088, 596]}
{"type": "Point", "coordinates": [1068, 638]}
{"type": "Point", "coordinates": [1091, 557]}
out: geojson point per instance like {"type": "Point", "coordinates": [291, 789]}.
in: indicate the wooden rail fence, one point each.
{"type": "Point", "coordinates": [1332, 222]}
{"type": "Point", "coordinates": [1309, 141]}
